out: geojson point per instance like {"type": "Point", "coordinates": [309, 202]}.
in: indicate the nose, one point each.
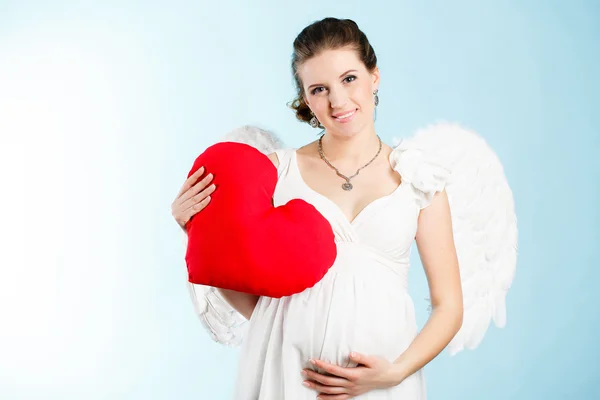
{"type": "Point", "coordinates": [337, 98]}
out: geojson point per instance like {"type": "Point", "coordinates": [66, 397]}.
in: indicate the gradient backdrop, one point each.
{"type": "Point", "coordinates": [104, 107]}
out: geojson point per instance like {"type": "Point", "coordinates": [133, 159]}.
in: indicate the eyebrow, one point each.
{"type": "Point", "coordinates": [320, 84]}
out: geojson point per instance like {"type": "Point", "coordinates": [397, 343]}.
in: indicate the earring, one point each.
{"type": "Point", "coordinates": [376, 97]}
{"type": "Point", "coordinates": [314, 122]}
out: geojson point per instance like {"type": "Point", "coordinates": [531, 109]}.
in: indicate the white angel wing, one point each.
{"type": "Point", "coordinates": [265, 141]}
{"type": "Point", "coordinates": [449, 156]}
{"type": "Point", "coordinates": [224, 324]}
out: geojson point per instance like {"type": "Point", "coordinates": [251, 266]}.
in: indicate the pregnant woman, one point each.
{"type": "Point", "coordinates": [353, 334]}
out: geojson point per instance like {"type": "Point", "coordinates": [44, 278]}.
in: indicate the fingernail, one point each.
{"type": "Point", "coordinates": [304, 373]}
{"type": "Point", "coordinates": [306, 384]}
{"type": "Point", "coordinates": [313, 362]}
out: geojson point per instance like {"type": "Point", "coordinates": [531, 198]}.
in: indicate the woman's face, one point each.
{"type": "Point", "coordinates": [339, 90]}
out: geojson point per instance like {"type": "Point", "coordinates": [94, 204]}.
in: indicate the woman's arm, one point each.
{"type": "Point", "coordinates": [435, 243]}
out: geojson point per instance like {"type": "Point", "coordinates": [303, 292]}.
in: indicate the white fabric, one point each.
{"type": "Point", "coordinates": [362, 304]}
{"type": "Point", "coordinates": [224, 324]}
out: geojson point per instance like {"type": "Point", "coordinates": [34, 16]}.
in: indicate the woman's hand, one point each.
{"type": "Point", "coordinates": [345, 383]}
{"type": "Point", "coordinates": [192, 198]}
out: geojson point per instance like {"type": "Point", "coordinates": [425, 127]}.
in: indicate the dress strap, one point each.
{"type": "Point", "coordinates": [280, 154]}
{"type": "Point", "coordinates": [284, 156]}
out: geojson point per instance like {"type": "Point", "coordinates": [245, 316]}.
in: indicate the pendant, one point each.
{"type": "Point", "coordinates": [347, 186]}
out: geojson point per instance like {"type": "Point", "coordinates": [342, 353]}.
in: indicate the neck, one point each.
{"type": "Point", "coordinates": [357, 149]}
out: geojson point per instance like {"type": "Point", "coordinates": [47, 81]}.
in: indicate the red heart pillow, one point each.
{"type": "Point", "coordinates": [241, 242]}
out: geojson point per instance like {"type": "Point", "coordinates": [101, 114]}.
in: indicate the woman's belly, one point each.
{"type": "Point", "coordinates": [361, 305]}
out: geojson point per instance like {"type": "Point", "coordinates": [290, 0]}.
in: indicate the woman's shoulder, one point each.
{"type": "Point", "coordinates": [280, 156]}
{"type": "Point", "coordinates": [306, 150]}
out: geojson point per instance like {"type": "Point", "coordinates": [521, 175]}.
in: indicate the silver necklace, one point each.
{"type": "Point", "coordinates": [347, 186]}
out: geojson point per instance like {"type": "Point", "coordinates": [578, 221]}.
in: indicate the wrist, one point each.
{"type": "Point", "coordinates": [398, 372]}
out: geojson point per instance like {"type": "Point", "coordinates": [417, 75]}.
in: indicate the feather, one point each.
{"type": "Point", "coordinates": [448, 156]}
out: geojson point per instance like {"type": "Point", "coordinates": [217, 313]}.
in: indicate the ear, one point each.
{"type": "Point", "coordinates": [375, 76]}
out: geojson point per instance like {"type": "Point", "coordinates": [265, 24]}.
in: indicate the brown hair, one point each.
{"type": "Point", "coordinates": [327, 34]}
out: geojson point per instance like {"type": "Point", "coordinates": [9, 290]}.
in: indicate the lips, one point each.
{"type": "Point", "coordinates": [344, 116]}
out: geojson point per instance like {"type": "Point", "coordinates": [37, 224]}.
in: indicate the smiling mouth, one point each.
{"type": "Point", "coordinates": [345, 116]}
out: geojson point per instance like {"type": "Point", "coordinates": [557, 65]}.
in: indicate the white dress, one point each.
{"type": "Point", "coordinates": [362, 304]}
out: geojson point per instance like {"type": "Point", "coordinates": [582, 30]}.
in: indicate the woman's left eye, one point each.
{"type": "Point", "coordinates": [350, 78]}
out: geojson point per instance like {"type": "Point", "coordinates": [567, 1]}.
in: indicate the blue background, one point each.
{"type": "Point", "coordinates": [104, 107]}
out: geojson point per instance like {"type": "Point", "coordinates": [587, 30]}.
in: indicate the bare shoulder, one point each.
{"type": "Point", "coordinates": [274, 159]}
{"type": "Point", "coordinates": [308, 153]}
{"type": "Point", "coordinates": [307, 149]}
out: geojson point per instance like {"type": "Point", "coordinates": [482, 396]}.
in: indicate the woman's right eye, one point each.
{"type": "Point", "coordinates": [317, 90]}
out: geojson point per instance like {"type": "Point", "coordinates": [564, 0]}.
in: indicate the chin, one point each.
{"type": "Point", "coordinates": [347, 130]}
